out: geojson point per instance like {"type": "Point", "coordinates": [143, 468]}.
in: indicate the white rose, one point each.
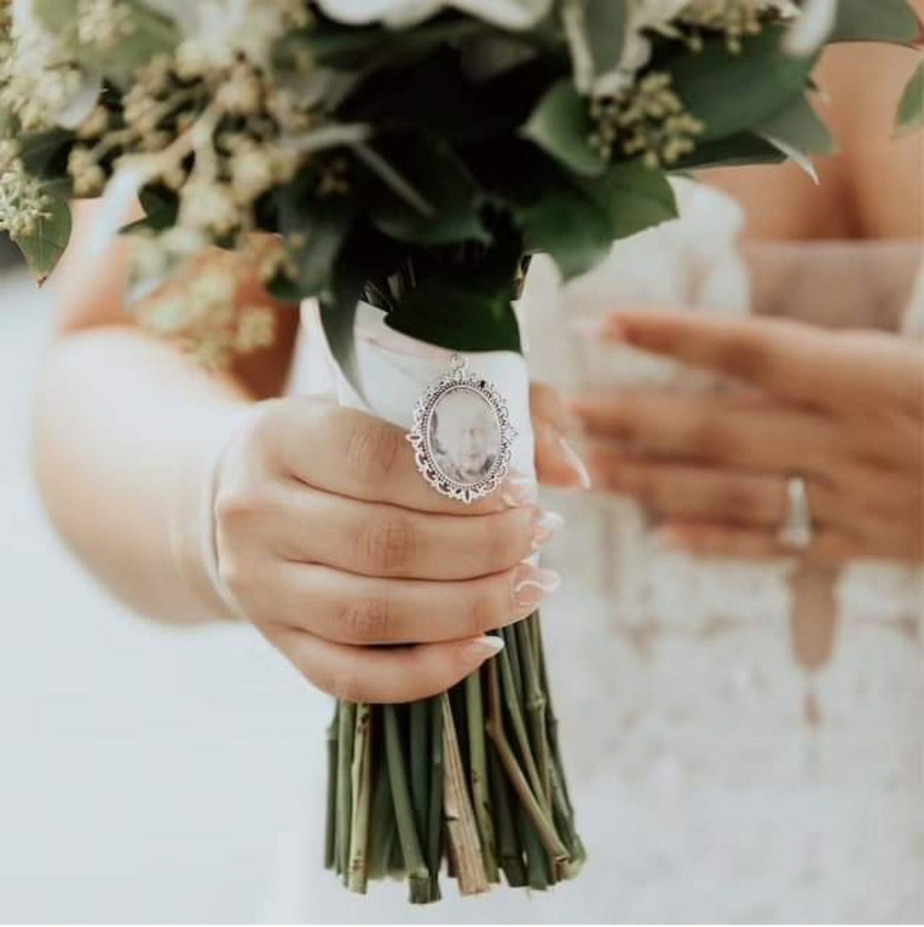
{"type": "Point", "coordinates": [400, 14]}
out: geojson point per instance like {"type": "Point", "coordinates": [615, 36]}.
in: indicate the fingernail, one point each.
{"type": "Point", "coordinates": [545, 527]}
{"type": "Point", "coordinates": [532, 584]}
{"type": "Point", "coordinates": [577, 465]}
{"type": "Point", "coordinates": [484, 648]}
{"type": "Point", "coordinates": [519, 489]}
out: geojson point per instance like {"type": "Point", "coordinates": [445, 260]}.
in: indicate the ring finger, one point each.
{"type": "Point", "coordinates": [366, 611]}
{"type": "Point", "coordinates": [670, 490]}
{"type": "Point", "coordinates": [376, 539]}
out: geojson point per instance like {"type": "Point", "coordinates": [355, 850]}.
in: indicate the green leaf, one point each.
{"type": "Point", "coordinates": [161, 207]}
{"type": "Point", "coordinates": [364, 256]}
{"type": "Point", "coordinates": [151, 34]}
{"type": "Point", "coordinates": [876, 21]}
{"type": "Point", "coordinates": [569, 225]}
{"type": "Point", "coordinates": [315, 231]}
{"type": "Point", "coordinates": [462, 314]}
{"type": "Point", "coordinates": [371, 47]}
{"type": "Point", "coordinates": [735, 151]}
{"type": "Point", "coordinates": [606, 31]}
{"type": "Point", "coordinates": [731, 93]}
{"type": "Point", "coordinates": [44, 247]}
{"type": "Point", "coordinates": [633, 197]}
{"type": "Point", "coordinates": [561, 125]}
{"type": "Point", "coordinates": [444, 185]}
{"type": "Point", "coordinates": [45, 154]}
{"type": "Point", "coordinates": [798, 133]}
{"type": "Point", "coordinates": [800, 127]}
{"type": "Point", "coordinates": [910, 114]}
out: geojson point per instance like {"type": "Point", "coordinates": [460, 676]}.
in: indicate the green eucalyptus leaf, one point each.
{"type": "Point", "coordinates": [315, 232]}
{"type": "Point", "coordinates": [732, 92]}
{"type": "Point", "coordinates": [44, 247]}
{"type": "Point", "coordinates": [910, 114]}
{"type": "Point", "coordinates": [372, 47]}
{"type": "Point", "coordinates": [568, 225]}
{"type": "Point", "coordinates": [876, 21]}
{"type": "Point", "coordinates": [633, 197]}
{"type": "Point", "coordinates": [151, 35]}
{"type": "Point", "coordinates": [798, 133]}
{"type": "Point", "coordinates": [561, 125]}
{"type": "Point", "coordinates": [449, 211]}
{"type": "Point", "coordinates": [605, 22]}
{"type": "Point", "coordinates": [800, 127]}
{"type": "Point", "coordinates": [45, 154]}
{"type": "Point", "coordinates": [147, 35]}
{"type": "Point", "coordinates": [161, 207]}
{"type": "Point", "coordinates": [459, 313]}
{"type": "Point", "coordinates": [338, 319]}
{"type": "Point", "coordinates": [735, 151]}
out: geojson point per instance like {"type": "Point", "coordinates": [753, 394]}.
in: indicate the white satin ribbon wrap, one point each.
{"type": "Point", "coordinates": [395, 370]}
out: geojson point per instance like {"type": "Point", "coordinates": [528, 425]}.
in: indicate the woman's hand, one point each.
{"type": "Point", "coordinates": [843, 410]}
{"type": "Point", "coordinates": [331, 543]}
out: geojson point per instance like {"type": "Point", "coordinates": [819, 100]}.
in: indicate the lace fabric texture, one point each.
{"type": "Point", "coordinates": [720, 772]}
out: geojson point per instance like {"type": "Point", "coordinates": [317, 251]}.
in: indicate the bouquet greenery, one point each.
{"type": "Point", "coordinates": [412, 154]}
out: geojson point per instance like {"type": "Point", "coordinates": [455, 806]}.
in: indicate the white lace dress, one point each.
{"type": "Point", "coordinates": [722, 773]}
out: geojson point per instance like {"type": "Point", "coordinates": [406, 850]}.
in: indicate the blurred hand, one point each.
{"type": "Point", "coordinates": [844, 410]}
{"type": "Point", "coordinates": [333, 546]}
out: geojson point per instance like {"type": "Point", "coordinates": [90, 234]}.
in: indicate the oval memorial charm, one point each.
{"type": "Point", "coordinates": [462, 434]}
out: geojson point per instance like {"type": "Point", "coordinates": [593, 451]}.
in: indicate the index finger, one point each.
{"type": "Point", "coordinates": [791, 360]}
{"type": "Point", "coordinates": [353, 454]}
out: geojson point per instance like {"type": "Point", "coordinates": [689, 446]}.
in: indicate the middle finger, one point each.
{"type": "Point", "coordinates": [726, 430]}
{"type": "Point", "coordinates": [376, 539]}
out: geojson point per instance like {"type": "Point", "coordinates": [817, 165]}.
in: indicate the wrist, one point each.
{"type": "Point", "coordinates": [192, 523]}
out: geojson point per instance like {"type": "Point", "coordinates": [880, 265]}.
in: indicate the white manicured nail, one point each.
{"type": "Point", "coordinates": [484, 648]}
{"type": "Point", "coordinates": [576, 464]}
{"type": "Point", "coordinates": [546, 526]}
{"type": "Point", "coordinates": [532, 584]}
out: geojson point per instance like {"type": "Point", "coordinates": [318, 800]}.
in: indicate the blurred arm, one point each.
{"type": "Point", "coordinates": [127, 430]}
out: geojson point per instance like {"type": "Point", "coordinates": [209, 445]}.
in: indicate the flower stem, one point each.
{"type": "Point", "coordinates": [346, 729]}
{"type": "Point", "coordinates": [435, 815]}
{"type": "Point", "coordinates": [330, 828]}
{"type": "Point", "coordinates": [358, 872]}
{"type": "Point", "coordinates": [420, 763]}
{"type": "Point", "coordinates": [460, 818]}
{"type": "Point", "coordinates": [417, 872]}
{"type": "Point", "coordinates": [478, 766]}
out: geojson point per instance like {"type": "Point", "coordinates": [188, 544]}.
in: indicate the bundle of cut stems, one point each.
{"type": "Point", "coordinates": [473, 777]}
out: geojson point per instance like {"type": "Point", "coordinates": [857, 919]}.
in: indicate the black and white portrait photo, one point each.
{"type": "Point", "coordinates": [464, 435]}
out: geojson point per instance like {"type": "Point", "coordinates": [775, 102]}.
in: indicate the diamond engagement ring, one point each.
{"type": "Point", "coordinates": [797, 530]}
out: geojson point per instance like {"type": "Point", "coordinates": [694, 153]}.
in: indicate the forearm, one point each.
{"type": "Point", "coordinates": [127, 432]}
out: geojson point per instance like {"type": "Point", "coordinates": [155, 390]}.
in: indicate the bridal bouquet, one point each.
{"type": "Point", "coordinates": [406, 157]}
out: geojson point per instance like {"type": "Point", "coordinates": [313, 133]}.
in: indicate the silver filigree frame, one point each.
{"type": "Point", "coordinates": [460, 377]}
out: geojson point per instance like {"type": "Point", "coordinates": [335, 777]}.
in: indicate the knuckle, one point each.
{"type": "Point", "coordinates": [367, 621]}
{"type": "Point", "coordinates": [712, 439]}
{"type": "Point", "coordinates": [387, 544]}
{"type": "Point", "coordinates": [503, 541]}
{"type": "Point", "coordinates": [486, 613]}
{"type": "Point", "coordinates": [347, 684]}
{"type": "Point", "coordinates": [372, 449]}
{"type": "Point", "coordinates": [238, 505]}
{"type": "Point", "coordinates": [235, 576]}
{"type": "Point", "coordinates": [746, 359]}
{"type": "Point", "coordinates": [735, 499]}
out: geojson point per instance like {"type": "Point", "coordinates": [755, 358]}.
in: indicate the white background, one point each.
{"type": "Point", "coordinates": [145, 774]}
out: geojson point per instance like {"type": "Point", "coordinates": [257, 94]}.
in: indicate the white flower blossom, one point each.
{"type": "Point", "coordinates": [400, 14]}
{"type": "Point", "coordinates": [810, 30]}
